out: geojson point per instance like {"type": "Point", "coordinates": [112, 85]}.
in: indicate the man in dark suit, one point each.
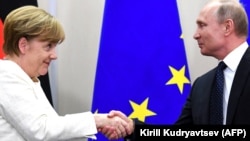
{"type": "Point", "coordinates": [222, 31]}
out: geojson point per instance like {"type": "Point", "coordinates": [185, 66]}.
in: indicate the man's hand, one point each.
{"type": "Point", "coordinates": [113, 126]}
{"type": "Point", "coordinates": [125, 128]}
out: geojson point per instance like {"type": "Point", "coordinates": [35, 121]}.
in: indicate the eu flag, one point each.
{"type": "Point", "coordinates": [142, 66]}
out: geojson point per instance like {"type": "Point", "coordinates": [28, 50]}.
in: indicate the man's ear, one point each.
{"type": "Point", "coordinates": [22, 44]}
{"type": "Point", "coordinates": [229, 26]}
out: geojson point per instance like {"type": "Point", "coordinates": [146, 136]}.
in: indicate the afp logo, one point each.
{"type": "Point", "coordinates": [233, 133]}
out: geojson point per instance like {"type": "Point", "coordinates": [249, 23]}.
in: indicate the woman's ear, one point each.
{"type": "Point", "coordinates": [22, 44]}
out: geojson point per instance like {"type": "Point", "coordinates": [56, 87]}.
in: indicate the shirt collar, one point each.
{"type": "Point", "coordinates": [232, 60]}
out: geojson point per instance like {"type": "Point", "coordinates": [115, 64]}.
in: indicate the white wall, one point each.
{"type": "Point", "coordinates": [72, 75]}
{"type": "Point", "coordinates": [188, 11]}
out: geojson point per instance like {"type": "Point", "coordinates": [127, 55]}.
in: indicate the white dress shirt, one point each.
{"type": "Point", "coordinates": [232, 61]}
{"type": "Point", "coordinates": [26, 114]}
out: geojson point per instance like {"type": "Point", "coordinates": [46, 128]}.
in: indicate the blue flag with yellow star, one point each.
{"type": "Point", "coordinates": [142, 66]}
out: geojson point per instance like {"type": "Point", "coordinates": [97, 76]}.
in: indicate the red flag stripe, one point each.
{"type": "Point", "coordinates": [1, 40]}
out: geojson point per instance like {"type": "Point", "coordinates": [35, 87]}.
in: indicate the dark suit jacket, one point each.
{"type": "Point", "coordinates": [196, 109]}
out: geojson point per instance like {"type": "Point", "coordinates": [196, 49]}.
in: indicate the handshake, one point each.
{"type": "Point", "coordinates": [114, 125]}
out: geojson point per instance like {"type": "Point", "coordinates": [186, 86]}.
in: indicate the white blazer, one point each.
{"type": "Point", "coordinates": [26, 114]}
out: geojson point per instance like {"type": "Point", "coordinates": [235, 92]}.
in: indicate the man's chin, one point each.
{"type": "Point", "coordinates": [204, 53]}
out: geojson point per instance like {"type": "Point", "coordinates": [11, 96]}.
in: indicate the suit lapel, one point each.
{"type": "Point", "coordinates": [238, 85]}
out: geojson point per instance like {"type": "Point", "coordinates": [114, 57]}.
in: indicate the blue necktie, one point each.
{"type": "Point", "coordinates": [216, 98]}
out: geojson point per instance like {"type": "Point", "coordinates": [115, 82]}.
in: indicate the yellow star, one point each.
{"type": "Point", "coordinates": [140, 111]}
{"type": "Point", "coordinates": [178, 78]}
{"type": "Point", "coordinates": [182, 36]}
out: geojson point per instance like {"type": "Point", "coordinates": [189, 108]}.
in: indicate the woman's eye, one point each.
{"type": "Point", "coordinates": [48, 47]}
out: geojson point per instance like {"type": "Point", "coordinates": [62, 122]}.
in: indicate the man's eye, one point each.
{"type": "Point", "coordinates": [202, 25]}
